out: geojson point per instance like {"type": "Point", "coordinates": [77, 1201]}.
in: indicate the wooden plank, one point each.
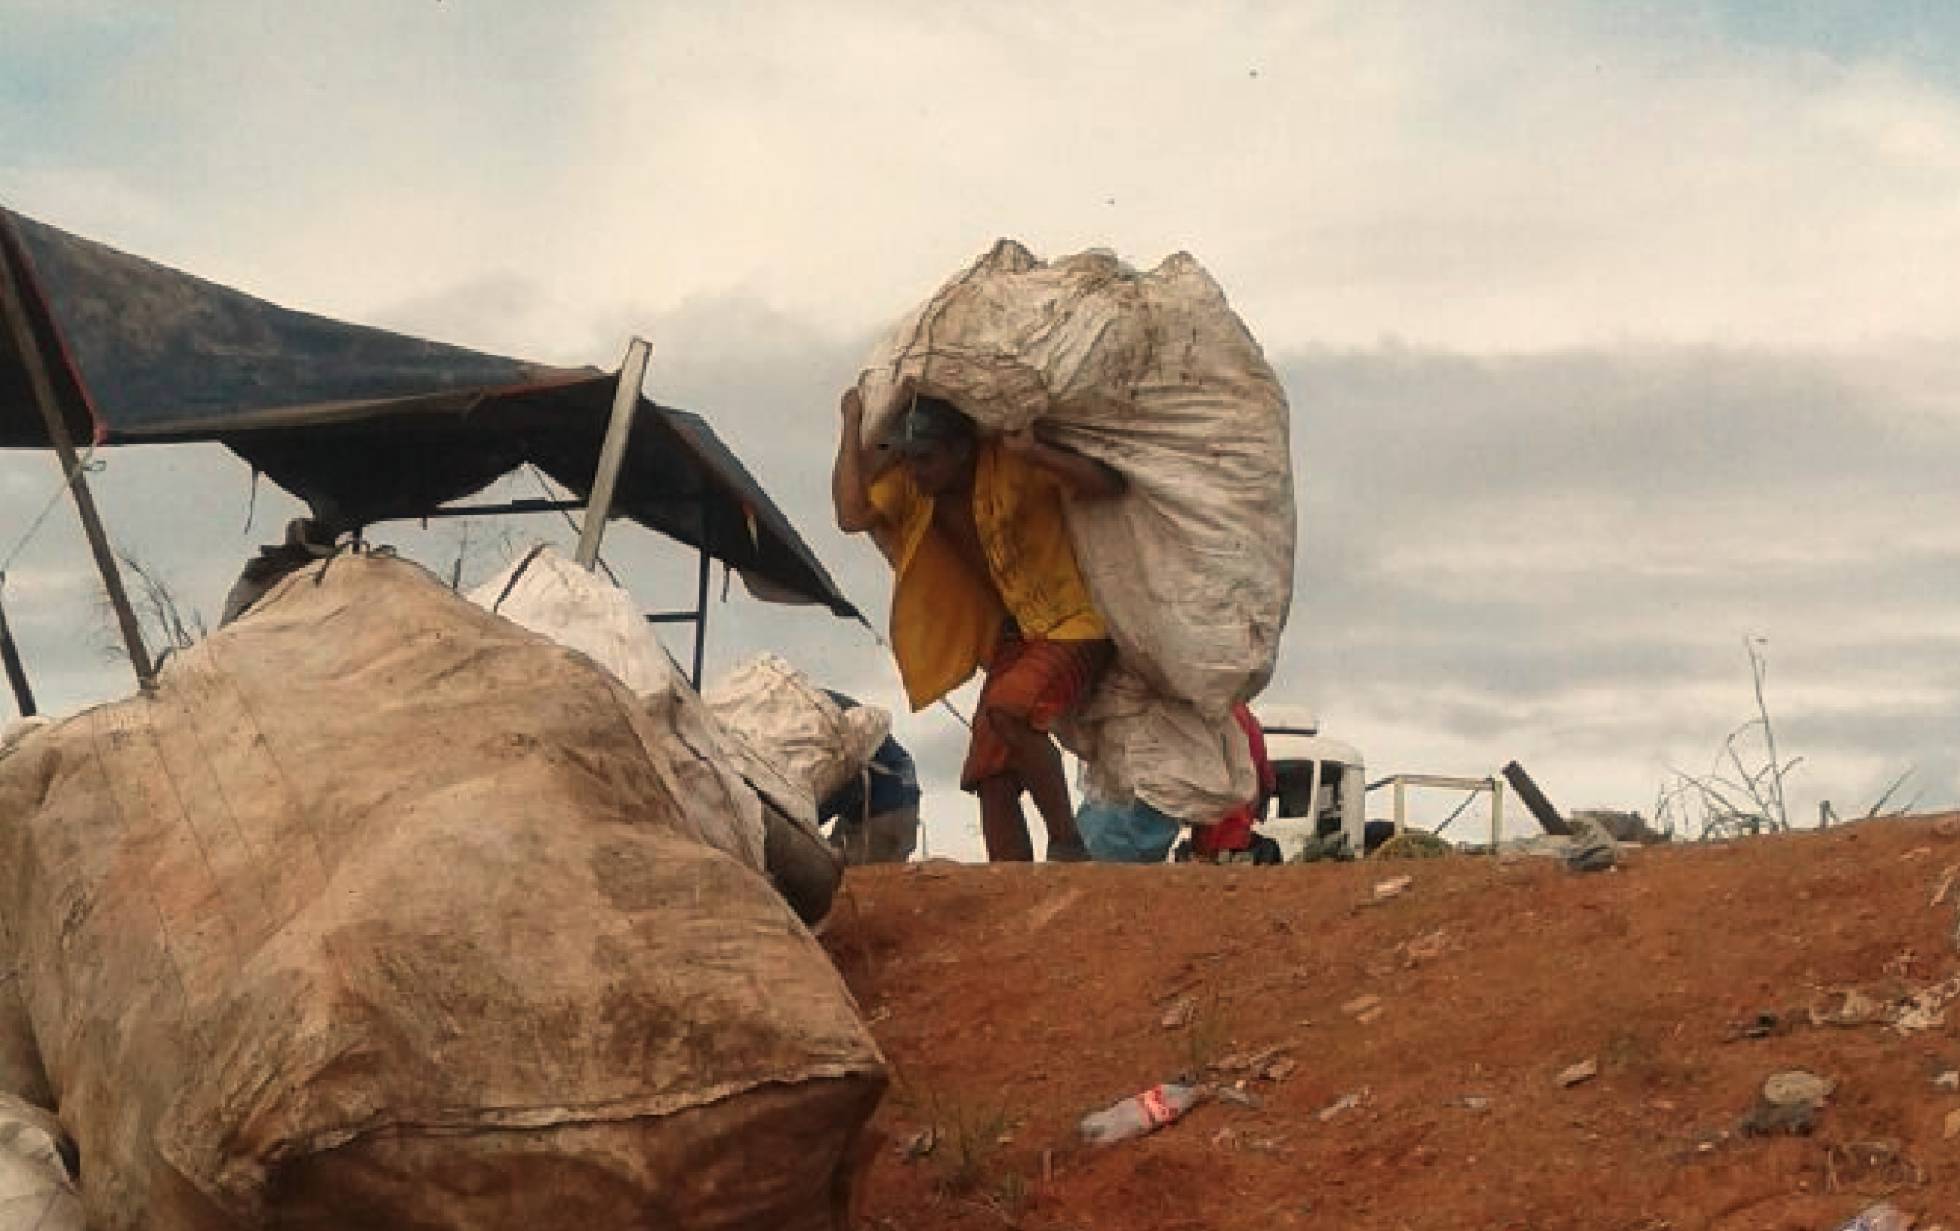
{"type": "Point", "coordinates": [701, 604]}
{"type": "Point", "coordinates": [626, 400]}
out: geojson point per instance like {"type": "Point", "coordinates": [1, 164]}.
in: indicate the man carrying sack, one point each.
{"type": "Point", "coordinates": [985, 576]}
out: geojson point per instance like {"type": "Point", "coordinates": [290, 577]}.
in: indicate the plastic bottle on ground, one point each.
{"type": "Point", "coordinates": [1141, 1114]}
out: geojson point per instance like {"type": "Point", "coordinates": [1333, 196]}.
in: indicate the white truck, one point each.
{"type": "Point", "coordinates": [1322, 784]}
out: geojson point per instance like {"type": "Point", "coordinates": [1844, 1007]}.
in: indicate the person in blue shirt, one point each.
{"type": "Point", "coordinates": [876, 813]}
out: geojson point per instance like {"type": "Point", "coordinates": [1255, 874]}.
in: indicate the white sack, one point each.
{"type": "Point", "coordinates": [1154, 374]}
{"type": "Point", "coordinates": [36, 1191]}
{"type": "Point", "coordinates": [819, 745]}
{"type": "Point", "coordinates": [1135, 743]}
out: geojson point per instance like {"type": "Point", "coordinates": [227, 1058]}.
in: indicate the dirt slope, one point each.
{"type": "Point", "coordinates": [1011, 1000]}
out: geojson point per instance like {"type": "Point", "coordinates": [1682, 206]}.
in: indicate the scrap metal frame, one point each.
{"type": "Point", "coordinates": [1401, 783]}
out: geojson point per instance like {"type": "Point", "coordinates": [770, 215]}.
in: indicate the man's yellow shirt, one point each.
{"type": "Point", "coordinates": [945, 617]}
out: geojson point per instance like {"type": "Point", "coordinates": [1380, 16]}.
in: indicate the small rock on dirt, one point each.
{"type": "Point", "coordinates": [1949, 1080]}
{"type": "Point", "coordinates": [1281, 1069]}
{"type": "Point", "coordinates": [1946, 883]}
{"type": "Point", "coordinates": [1761, 1026]}
{"type": "Point", "coordinates": [1426, 948]}
{"type": "Point", "coordinates": [1236, 1097]}
{"type": "Point", "coordinates": [1845, 1006]}
{"type": "Point", "coordinates": [1768, 1119]}
{"type": "Point", "coordinates": [1925, 1009]}
{"type": "Point", "coordinates": [1593, 857]}
{"type": "Point", "coordinates": [1180, 1013]}
{"type": "Point", "coordinates": [1361, 1005]}
{"type": "Point", "coordinates": [1574, 1074]}
{"type": "Point", "coordinates": [1788, 1105]}
{"type": "Point", "coordinates": [1393, 888]}
{"type": "Point", "coordinates": [1341, 1106]}
{"type": "Point", "coordinates": [1246, 1062]}
{"type": "Point", "coordinates": [918, 1145]}
{"type": "Point", "coordinates": [1794, 1086]}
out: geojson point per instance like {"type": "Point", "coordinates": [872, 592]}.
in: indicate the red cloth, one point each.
{"type": "Point", "coordinates": [1036, 681]}
{"type": "Point", "coordinates": [1233, 831]}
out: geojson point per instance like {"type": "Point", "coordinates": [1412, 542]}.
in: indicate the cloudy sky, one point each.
{"type": "Point", "coordinates": [1614, 333]}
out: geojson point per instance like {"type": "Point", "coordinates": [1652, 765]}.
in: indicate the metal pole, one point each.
{"type": "Point", "coordinates": [10, 657]}
{"type": "Point", "coordinates": [626, 400]}
{"type": "Point", "coordinates": [701, 602]}
{"type": "Point", "coordinates": [1534, 799]}
{"type": "Point", "coordinates": [64, 447]}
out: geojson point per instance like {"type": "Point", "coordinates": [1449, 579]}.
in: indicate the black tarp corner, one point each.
{"type": "Point", "coordinates": [363, 424]}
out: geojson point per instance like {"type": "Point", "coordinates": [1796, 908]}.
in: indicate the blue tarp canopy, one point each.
{"type": "Point", "coordinates": [362, 424]}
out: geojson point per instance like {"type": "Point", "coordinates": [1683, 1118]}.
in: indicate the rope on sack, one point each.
{"type": "Point", "coordinates": [571, 521]}
{"type": "Point", "coordinates": [944, 703]}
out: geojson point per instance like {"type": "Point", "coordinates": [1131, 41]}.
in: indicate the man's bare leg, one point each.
{"type": "Point", "coordinates": [1002, 823]}
{"type": "Point", "coordinates": [1039, 763]}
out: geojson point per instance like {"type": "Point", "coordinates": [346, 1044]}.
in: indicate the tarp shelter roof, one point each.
{"type": "Point", "coordinates": [362, 424]}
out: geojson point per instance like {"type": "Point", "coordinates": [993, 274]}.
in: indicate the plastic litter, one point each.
{"type": "Point", "coordinates": [1140, 1114]}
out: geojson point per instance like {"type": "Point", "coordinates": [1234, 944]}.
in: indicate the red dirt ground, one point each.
{"type": "Point", "coordinates": [1012, 999]}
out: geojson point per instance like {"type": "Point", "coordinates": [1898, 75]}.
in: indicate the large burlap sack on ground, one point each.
{"type": "Point", "coordinates": [723, 780]}
{"type": "Point", "coordinates": [1192, 569]}
{"type": "Point", "coordinates": [816, 743]}
{"type": "Point", "coordinates": [384, 912]}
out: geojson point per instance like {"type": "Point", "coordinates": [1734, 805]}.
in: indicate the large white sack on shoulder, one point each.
{"type": "Point", "coordinates": [553, 597]}
{"type": "Point", "coordinates": [1154, 374]}
{"type": "Point", "coordinates": [792, 723]}
{"type": "Point", "coordinates": [36, 1191]}
{"type": "Point", "coordinates": [1136, 744]}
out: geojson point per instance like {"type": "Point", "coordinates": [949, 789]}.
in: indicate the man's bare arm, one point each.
{"type": "Point", "coordinates": [848, 492]}
{"type": "Point", "coordinates": [1083, 476]}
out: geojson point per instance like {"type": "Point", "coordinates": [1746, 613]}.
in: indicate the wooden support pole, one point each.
{"type": "Point", "coordinates": [98, 540]}
{"type": "Point", "coordinates": [1496, 814]}
{"type": "Point", "coordinates": [1535, 801]}
{"type": "Point", "coordinates": [626, 400]}
{"type": "Point", "coordinates": [10, 658]}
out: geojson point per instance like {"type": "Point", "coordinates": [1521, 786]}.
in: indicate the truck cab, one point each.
{"type": "Point", "coordinates": [1321, 782]}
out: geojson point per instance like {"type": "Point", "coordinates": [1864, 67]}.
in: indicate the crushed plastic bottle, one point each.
{"type": "Point", "coordinates": [1142, 1114]}
{"type": "Point", "coordinates": [1882, 1217]}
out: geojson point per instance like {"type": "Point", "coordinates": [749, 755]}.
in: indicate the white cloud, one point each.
{"type": "Point", "coordinates": [1473, 176]}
